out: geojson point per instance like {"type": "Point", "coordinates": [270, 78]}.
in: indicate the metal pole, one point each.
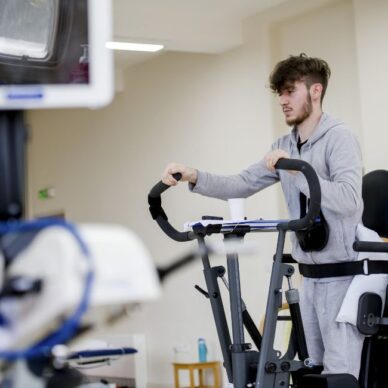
{"type": "Point", "coordinates": [267, 354]}
{"type": "Point", "coordinates": [211, 279]}
{"type": "Point", "coordinates": [236, 306]}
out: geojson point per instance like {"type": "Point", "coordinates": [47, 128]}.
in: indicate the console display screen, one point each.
{"type": "Point", "coordinates": [53, 53]}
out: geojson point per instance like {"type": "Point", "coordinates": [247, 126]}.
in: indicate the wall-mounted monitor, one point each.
{"type": "Point", "coordinates": [53, 53]}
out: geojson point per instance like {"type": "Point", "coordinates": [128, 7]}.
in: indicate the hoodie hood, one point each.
{"type": "Point", "coordinates": [325, 124]}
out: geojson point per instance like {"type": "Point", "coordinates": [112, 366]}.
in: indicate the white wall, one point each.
{"type": "Point", "coordinates": [207, 111]}
{"type": "Point", "coordinates": [371, 30]}
{"type": "Point", "coordinates": [314, 33]}
{"type": "Point", "coordinates": [213, 112]}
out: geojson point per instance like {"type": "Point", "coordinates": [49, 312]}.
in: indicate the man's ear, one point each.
{"type": "Point", "coordinates": [316, 91]}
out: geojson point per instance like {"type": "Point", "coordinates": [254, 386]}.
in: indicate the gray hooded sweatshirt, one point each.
{"type": "Point", "coordinates": [335, 154]}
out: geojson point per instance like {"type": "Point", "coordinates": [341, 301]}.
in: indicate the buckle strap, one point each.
{"type": "Point", "coordinates": [347, 268]}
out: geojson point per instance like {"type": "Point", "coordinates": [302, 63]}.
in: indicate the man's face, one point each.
{"type": "Point", "coordinates": [296, 103]}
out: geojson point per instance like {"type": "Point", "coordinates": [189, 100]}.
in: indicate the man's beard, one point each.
{"type": "Point", "coordinates": [306, 112]}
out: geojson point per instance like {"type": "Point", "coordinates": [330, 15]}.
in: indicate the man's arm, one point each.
{"type": "Point", "coordinates": [251, 180]}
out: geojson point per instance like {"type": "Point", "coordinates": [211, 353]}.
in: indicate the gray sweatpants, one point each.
{"type": "Point", "coordinates": [336, 346]}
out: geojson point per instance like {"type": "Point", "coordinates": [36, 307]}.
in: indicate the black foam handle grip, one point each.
{"type": "Point", "coordinates": [370, 246]}
{"type": "Point", "coordinates": [315, 193]}
{"type": "Point", "coordinates": [157, 212]}
{"type": "Point", "coordinates": [161, 187]}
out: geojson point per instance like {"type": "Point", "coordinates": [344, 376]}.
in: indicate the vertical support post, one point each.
{"type": "Point", "coordinates": [211, 279]}
{"type": "Point", "coordinates": [191, 372]}
{"type": "Point", "coordinates": [236, 307]}
{"type": "Point", "coordinates": [12, 164]}
{"type": "Point", "coordinates": [176, 377]}
{"type": "Point", "coordinates": [292, 297]}
{"type": "Point", "coordinates": [267, 353]}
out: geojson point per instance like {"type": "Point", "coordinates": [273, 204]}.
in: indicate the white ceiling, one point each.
{"type": "Point", "coordinates": [199, 26]}
{"type": "Point", "coordinates": [196, 26]}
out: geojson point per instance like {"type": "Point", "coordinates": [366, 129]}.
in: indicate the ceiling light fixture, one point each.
{"type": "Point", "coordinates": [127, 46]}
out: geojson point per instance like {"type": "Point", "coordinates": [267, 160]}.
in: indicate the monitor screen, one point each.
{"type": "Point", "coordinates": [26, 28]}
{"type": "Point", "coordinates": [53, 53]}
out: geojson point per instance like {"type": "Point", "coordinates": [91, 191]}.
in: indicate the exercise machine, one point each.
{"type": "Point", "coordinates": [265, 367]}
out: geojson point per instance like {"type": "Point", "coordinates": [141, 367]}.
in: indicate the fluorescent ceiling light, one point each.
{"type": "Point", "coordinates": [134, 46]}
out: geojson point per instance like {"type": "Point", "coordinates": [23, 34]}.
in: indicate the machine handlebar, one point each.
{"type": "Point", "coordinates": [158, 214]}
{"type": "Point", "coordinates": [161, 187]}
{"type": "Point", "coordinates": [315, 193]}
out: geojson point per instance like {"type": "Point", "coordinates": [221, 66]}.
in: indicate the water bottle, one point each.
{"type": "Point", "coordinates": [202, 350]}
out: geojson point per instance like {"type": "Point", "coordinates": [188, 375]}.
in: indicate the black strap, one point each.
{"type": "Point", "coordinates": [302, 198]}
{"type": "Point", "coordinates": [304, 203]}
{"type": "Point", "coordinates": [348, 268]}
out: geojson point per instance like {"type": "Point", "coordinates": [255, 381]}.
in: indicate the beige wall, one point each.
{"type": "Point", "coordinates": [213, 112]}
{"type": "Point", "coordinates": [371, 31]}
{"type": "Point", "coordinates": [206, 111]}
{"type": "Point", "coordinates": [326, 33]}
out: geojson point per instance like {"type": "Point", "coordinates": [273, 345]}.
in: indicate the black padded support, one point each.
{"type": "Point", "coordinates": [374, 372]}
{"type": "Point", "coordinates": [369, 310]}
{"type": "Point", "coordinates": [329, 381]}
{"type": "Point", "coordinates": [375, 194]}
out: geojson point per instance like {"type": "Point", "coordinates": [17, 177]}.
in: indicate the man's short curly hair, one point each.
{"type": "Point", "coordinates": [300, 68]}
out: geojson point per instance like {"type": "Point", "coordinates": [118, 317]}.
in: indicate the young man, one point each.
{"type": "Point", "coordinates": [333, 151]}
